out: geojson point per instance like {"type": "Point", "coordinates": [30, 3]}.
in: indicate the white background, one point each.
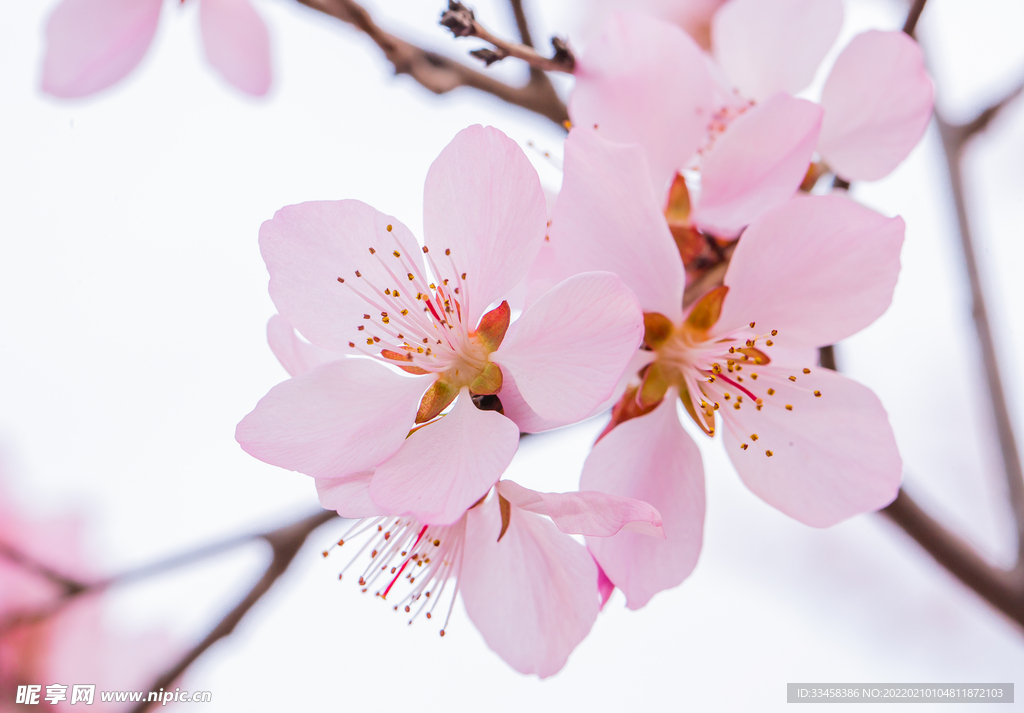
{"type": "Point", "coordinates": [132, 310]}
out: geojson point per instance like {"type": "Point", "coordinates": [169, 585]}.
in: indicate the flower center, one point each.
{"type": "Point", "coordinates": [421, 325]}
{"type": "Point", "coordinates": [728, 372]}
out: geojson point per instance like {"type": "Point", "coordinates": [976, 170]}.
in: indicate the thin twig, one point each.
{"type": "Point", "coordinates": [1003, 589]}
{"type": "Point", "coordinates": [285, 544]}
{"type": "Point", "coordinates": [73, 589]}
{"type": "Point", "coordinates": [953, 138]}
{"type": "Point", "coordinates": [436, 72]}
{"type": "Point", "coordinates": [913, 16]}
{"type": "Point", "coordinates": [463, 23]}
{"type": "Point", "coordinates": [963, 132]}
{"type": "Point", "coordinates": [69, 586]}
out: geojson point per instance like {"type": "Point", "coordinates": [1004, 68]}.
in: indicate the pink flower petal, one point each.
{"type": "Point", "coordinates": [833, 456]}
{"type": "Point", "coordinates": [533, 595]}
{"type": "Point", "coordinates": [483, 201]}
{"type": "Point", "coordinates": [515, 408]}
{"type": "Point", "coordinates": [645, 81]}
{"type": "Point", "coordinates": [769, 47]}
{"type": "Point", "coordinates": [608, 218]}
{"type": "Point", "coordinates": [237, 43]}
{"type": "Point", "coordinates": [446, 466]}
{"type": "Point", "coordinates": [651, 459]}
{"type": "Point", "coordinates": [758, 163]}
{"type": "Point", "coordinates": [878, 102]}
{"type": "Point", "coordinates": [308, 246]}
{"type": "Point", "coordinates": [339, 419]}
{"type": "Point", "coordinates": [571, 346]}
{"type": "Point", "coordinates": [296, 356]}
{"type": "Point", "coordinates": [587, 512]}
{"type": "Point", "coordinates": [604, 586]}
{"type": "Point", "coordinates": [91, 44]}
{"type": "Point", "coordinates": [817, 269]}
{"type": "Point", "coordinates": [349, 495]}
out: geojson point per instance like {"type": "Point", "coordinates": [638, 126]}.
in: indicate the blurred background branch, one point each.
{"type": "Point", "coordinates": [441, 74]}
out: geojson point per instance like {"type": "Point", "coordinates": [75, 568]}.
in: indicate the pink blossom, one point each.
{"type": "Point", "coordinates": [808, 441]}
{"type": "Point", "coordinates": [92, 44]}
{"type": "Point", "coordinates": [530, 589]}
{"type": "Point", "coordinates": [732, 154]}
{"type": "Point", "coordinates": [73, 644]}
{"type": "Point", "coordinates": [356, 283]}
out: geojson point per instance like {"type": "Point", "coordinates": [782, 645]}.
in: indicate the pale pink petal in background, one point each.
{"type": "Point", "coordinates": [816, 269]}
{"type": "Point", "coordinates": [645, 81]}
{"type": "Point", "coordinates": [769, 46]}
{"type": "Point", "coordinates": [756, 164]}
{"type": "Point", "coordinates": [533, 594]}
{"type": "Point", "coordinates": [878, 102]}
{"type": "Point", "coordinates": [446, 466]}
{"type": "Point", "coordinates": [339, 419]}
{"type": "Point", "coordinates": [237, 43]}
{"type": "Point", "coordinates": [296, 356]}
{"type": "Point", "coordinates": [91, 44]}
{"type": "Point", "coordinates": [483, 201]}
{"type": "Point", "coordinates": [308, 246]}
{"type": "Point", "coordinates": [833, 456]}
{"type": "Point", "coordinates": [349, 495]}
{"type": "Point", "coordinates": [587, 512]}
{"type": "Point", "coordinates": [609, 218]}
{"type": "Point", "coordinates": [570, 347]}
{"type": "Point", "coordinates": [652, 459]}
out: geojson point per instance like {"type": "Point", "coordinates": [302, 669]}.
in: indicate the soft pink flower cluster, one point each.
{"type": "Point", "coordinates": [407, 401]}
{"type": "Point", "coordinates": [45, 639]}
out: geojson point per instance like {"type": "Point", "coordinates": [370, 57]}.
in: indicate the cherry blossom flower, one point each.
{"type": "Point", "coordinates": [720, 157]}
{"type": "Point", "coordinates": [808, 441]}
{"type": "Point", "coordinates": [354, 281]}
{"type": "Point", "coordinates": [93, 44]}
{"type": "Point", "coordinates": [72, 644]}
{"type": "Point", "coordinates": [530, 589]}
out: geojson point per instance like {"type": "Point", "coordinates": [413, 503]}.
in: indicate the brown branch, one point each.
{"type": "Point", "coordinates": [913, 16]}
{"type": "Point", "coordinates": [1003, 589]}
{"type": "Point", "coordinates": [69, 586]}
{"type": "Point", "coordinates": [73, 588]}
{"type": "Point", "coordinates": [463, 23]}
{"type": "Point", "coordinates": [436, 72]}
{"type": "Point", "coordinates": [285, 544]}
{"type": "Point", "coordinates": [961, 133]}
{"type": "Point", "coordinates": [953, 138]}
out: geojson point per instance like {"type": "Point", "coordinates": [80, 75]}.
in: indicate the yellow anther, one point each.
{"type": "Point", "coordinates": [818, 394]}
{"type": "Point", "coordinates": [389, 227]}
{"type": "Point", "coordinates": [751, 325]}
{"type": "Point", "coordinates": [769, 454]}
{"type": "Point", "coordinates": [397, 254]}
{"type": "Point", "coordinates": [792, 378]}
{"type": "Point", "coordinates": [753, 376]}
{"type": "Point", "coordinates": [771, 392]}
{"type": "Point", "coordinates": [775, 332]}
{"type": "Point", "coordinates": [753, 436]}
{"type": "Point", "coordinates": [769, 343]}
{"type": "Point", "coordinates": [807, 371]}
{"type": "Point", "coordinates": [744, 446]}
{"type": "Point", "coordinates": [789, 407]}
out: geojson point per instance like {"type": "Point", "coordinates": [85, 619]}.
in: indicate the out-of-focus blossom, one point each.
{"type": "Point", "coordinates": [530, 589]}
{"type": "Point", "coordinates": [877, 99]}
{"type": "Point", "coordinates": [92, 44]}
{"type": "Point", "coordinates": [719, 157]}
{"type": "Point", "coordinates": [355, 282]}
{"type": "Point", "coordinates": [808, 441]}
{"type": "Point", "coordinates": [44, 640]}
{"type": "Point", "coordinates": [692, 16]}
